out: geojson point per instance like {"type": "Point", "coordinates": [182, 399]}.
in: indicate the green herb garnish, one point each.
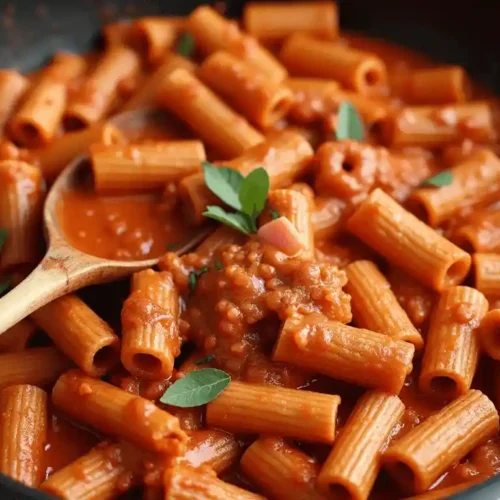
{"type": "Point", "coordinates": [247, 195]}
{"type": "Point", "coordinates": [4, 286]}
{"type": "Point", "coordinates": [349, 123]}
{"type": "Point", "coordinates": [205, 360]}
{"type": "Point", "coordinates": [218, 265]}
{"type": "Point", "coordinates": [3, 237]}
{"type": "Point", "coordinates": [186, 44]}
{"type": "Point", "coordinates": [171, 246]}
{"type": "Point", "coordinates": [275, 214]}
{"type": "Point", "coordinates": [193, 277]}
{"type": "Point", "coordinates": [196, 388]}
{"type": "Point", "coordinates": [444, 178]}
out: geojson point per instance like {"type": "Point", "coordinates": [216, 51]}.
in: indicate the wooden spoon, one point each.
{"type": "Point", "coordinates": [65, 269]}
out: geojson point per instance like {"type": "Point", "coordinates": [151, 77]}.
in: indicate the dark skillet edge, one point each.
{"type": "Point", "coordinates": [462, 34]}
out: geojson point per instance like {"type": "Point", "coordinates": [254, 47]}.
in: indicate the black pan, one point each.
{"type": "Point", "coordinates": [464, 33]}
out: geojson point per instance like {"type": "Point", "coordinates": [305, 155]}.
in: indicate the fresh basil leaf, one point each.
{"type": "Point", "coordinates": [218, 265]}
{"type": "Point", "coordinates": [444, 178]}
{"type": "Point", "coordinates": [253, 192]}
{"type": "Point", "coordinates": [196, 388]}
{"type": "Point", "coordinates": [4, 286]}
{"type": "Point", "coordinates": [275, 214]}
{"type": "Point", "coordinates": [3, 237]}
{"type": "Point", "coordinates": [186, 44]}
{"type": "Point", "coordinates": [205, 360]}
{"type": "Point", "coordinates": [224, 182]}
{"type": "Point", "coordinates": [238, 221]}
{"type": "Point", "coordinates": [349, 123]}
{"type": "Point", "coordinates": [192, 279]}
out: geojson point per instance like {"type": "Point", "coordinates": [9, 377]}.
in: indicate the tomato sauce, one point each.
{"type": "Point", "coordinates": [121, 227]}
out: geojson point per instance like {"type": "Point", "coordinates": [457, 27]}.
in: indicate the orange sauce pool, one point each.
{"type": "Point", "coordinates": [121, 227]}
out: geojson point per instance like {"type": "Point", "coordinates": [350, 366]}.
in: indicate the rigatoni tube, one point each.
{"type": "Point", "coordinates": [489, 334]}
{"type": "Point", "coordinates": [213, 32]}
{"type": "Point", "coordinates": [374, 305]}
{"type": "Point", "coordinates": [13, 86]}
{"type": "Point", "coordinates": [357, 70]}
{"type": "Point", "coordinates": [439, 126]}
{"type": "Point", "coordinates": [452, 346]}
{"type": "Point", "coordinates": [38, 120]}
{"type": "Point", "coordinates": [405, 241]}
{"type": "Point", "coordinates": [476, 181]}
{"type": "Point", "coordinates": [182, 480]}
{"type": "Point", "coordinates": [98, 93]}
{"type": "Point", "coordinates": [273, 22]}
{"type": "Point", "coordinates": [38, 366]}
{"type": "Point", "coordinates": [117, 412]}
{"type": "Point", "coordinates": [258, 98]}
{"type": "Point", "coordinates": [339, 351]}
{"type": "Point", "coordinates": [23, 434]}
{"type": "Point", "coordinates": [487, 273]}
{"type": "Point", "coordinates": [258, 409]}
{"type": "Point", "coordinates": [210, 117]}
{"type": "Point", "coordinates": [58, 154]}
{"type": "Point", "coordinates": [100, 473]}
{"type": "Point", "coordinates": [150, 317]}
{"type": "Point", "coordinates": [21, 199]}
{"type": "Point", "coordinates": [421, 456]}
{"type": "Point", "coordinates": [354, 463]}
{"type": "Point", "coordinates": [281, 470]}
{"type": "Point", "coordinates": [144, 167]}
{"type": "Point", "coordinates": [146, 94]}
{"type": "Point", "coordinates": [80, 333]}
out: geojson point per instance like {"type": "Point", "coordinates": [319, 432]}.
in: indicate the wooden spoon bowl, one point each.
{"type": "Point", "coordinates": [64, 268]}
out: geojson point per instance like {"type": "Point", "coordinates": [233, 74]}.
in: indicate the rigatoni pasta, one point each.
{"type": "Point", "coordinates": [354, 69]}
{"type": "Point", "coordinates": [21, 199]}
{"type": "Point", "coordinates": [217, 124]}
{"type": "Point", "coordinates": [398, 235]}
{"type": "Point", "coordinates": [420, 457]}
{"type": "Point", "coordinates": [146, 166]}
{"type": "Point", "coordinates": [82, 335]}
{"type": "Point", "coordinates": [23, 421]}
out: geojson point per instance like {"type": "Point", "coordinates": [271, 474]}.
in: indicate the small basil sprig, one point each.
{"type": "Point", "coordinates": [349, 123]}
{"type": "Point", "coordinates": [247, 195]}
{"type": "Point", "coordinates": [444, 178]}
{"type": "Point", "coordinates": [196, 388]}
{"type": "Point", "coordinates": [205, 360]}
{"type": "Point", "coordinates": [185, 46]}
{"type": "Point", "coordinates": [5, 283]}
{"type": "Point", "coordinates": [193, 277]}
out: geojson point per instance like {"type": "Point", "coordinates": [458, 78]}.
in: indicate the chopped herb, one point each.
{"type": "Point", "coordinates": [193, 277]}
{"type": "Point", "coordinates": [3, 237]}
{"type": "Point", "coordinates": [218, 265]}
{"type": "Point", "coordinates": [4, 286]}
{"type": "Point", "coordinates": [275, 214]}
{"type": "Point", "coordinates": [171, 246]}
{"type": "Point", "coordinates": [349, 123]}
{"type": "Point", "coordinates": [205, 360]}
{"type": "Point", "coordinates": [444, 178]}
{"type": "Point", "coordinates": [247, 195]}
{"type": "Point", "coordinates": [196, 388]}
{"type": "Point", "coordinates": [186, 44]}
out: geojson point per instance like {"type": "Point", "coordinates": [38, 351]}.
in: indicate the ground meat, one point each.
{"type": "Point", "coordinates": [236, 308]}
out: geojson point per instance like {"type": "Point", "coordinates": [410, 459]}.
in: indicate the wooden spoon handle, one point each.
{"type": "Point", "coordinates": [47, 282]}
